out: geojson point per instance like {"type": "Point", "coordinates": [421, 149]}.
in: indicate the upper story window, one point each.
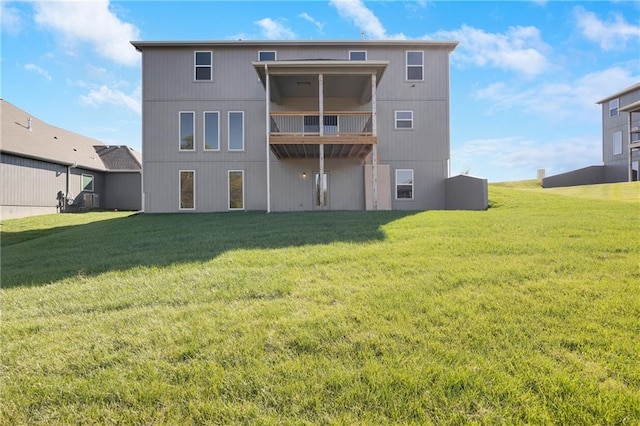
{"type": "Point", "coordinates": [404, 119]}
{"type": "Point", "coordinates": [236, 130]}
{"type": "Point", "coordinates": [415, 65]}
{"type": "Point", "coordinates": [617, 143]}
{"type": "Point", "coordinates": [186, 129]}
{"type": "Point", "coordinates": [357, 55]}
{"type": "Point", "coordinates": [614, 104]}
{"type": "Point", "coordinates": [203, 65]}
{"type": "Point", "coordinates": [211, 131]}
{"type": "Point", "coordinates": [266, 55]}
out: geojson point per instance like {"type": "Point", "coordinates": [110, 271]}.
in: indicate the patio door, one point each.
{"type": "Point", "coordinates": [320, 191]}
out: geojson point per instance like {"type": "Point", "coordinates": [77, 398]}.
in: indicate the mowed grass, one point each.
{"type": "Point", "coordinates": [526, 313]}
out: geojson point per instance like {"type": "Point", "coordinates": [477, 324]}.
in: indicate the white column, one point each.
{"type": "Point", "coordinates": [630, 165]}
{"type": "Point", "coordinates": [321, 127]}
{"type": "Point", "coordinates": [374, 150]}
{"type": "Point", "coordinates": [268, 133]}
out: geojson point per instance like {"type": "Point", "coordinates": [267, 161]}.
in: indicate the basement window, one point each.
{"type": "Point", "coordinates": [187, 189]}
{"type": "Point", "coordinates": [236, 189]}
{"type": "Point", "coordinates": [203, 66]}
{"type": "Point", "coordinates": [404, 184]}
{"type": "Point", "coordinates": [87, 183]}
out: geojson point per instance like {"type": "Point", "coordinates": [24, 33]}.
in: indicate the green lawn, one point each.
{"type": "Point", "coordinates": [528, 312]}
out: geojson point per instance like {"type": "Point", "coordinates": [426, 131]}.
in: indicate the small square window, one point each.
{"type": "Point", "coordinates": [404, 119]}
{"type": "Point", "coordinates": [358, 55]}
{"type": "Point", "coordinates": [613, 107]}
{"type": "Point", "coordinates": [265, 55]}
{"type": "Point", "coordinates": [203, 66]}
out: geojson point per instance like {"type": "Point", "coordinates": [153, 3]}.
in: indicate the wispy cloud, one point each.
{"type": "Point", "coordinates": [274, 30]}
{"type": "Point", "coordinates": [10, 19]}
{"type": "Point", "coordinates": [558, 100]}
{"type": "Point", "coordinates": [519, 49]}
{"type": "Point", "coordinates": [93, 23]}
{"type": "Point", "coordinates": [36, 69]}
{"type": "Point", "coordinates": [362, 17]}
{"type": "Point", "coordinates": [307, 17]}
{"type": "Point", "coordinates": [104, 95]}
{"type": "Point", "coordinates": [612, 34]}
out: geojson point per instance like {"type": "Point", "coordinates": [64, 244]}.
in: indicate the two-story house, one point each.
{"type": "Point", "coordinates": [621, 134]}
{"type": "Point", "coordinates": [296, 125]}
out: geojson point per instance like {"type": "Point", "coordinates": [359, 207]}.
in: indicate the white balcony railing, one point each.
{"type": "Point", "coordinates": [307, 123]}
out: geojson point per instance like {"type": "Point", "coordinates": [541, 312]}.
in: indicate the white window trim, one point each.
{"type": "Point", "coordinates": [413, 186]}
{"type": "Point", "coordinates": [406, 65]}
{"type": "Point", "coordinates": [357, 51]}
{"type": "Point", "coordinates": [193, 116]}
{"type": "Point", "coordinates": [613, 140]}
{"type": "Point", "coordinates": [204, 130]}
{"type": "Point", "coordinates": [613, 108]}
{"type": "Point", "coordinates": [229, 190]}
{"type": "Point", "coordinates": [403, 119]}
{"type": "Point", "coordinates": [229, 131]}
{"type": "Point", "coordinates": [275, 55]}
{"type": "Point", "coordinates": [195, 67]}
{"type": "Point", "coordinates": [92, 182]}
{"type": "Point", "coordinates": [180, 190]}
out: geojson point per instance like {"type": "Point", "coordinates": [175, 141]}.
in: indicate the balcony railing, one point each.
{"type": "Point", "coordinates": [338, 124]}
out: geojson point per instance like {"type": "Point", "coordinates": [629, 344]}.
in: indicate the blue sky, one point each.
{"type": "Point", "coordinates": [524, 79]}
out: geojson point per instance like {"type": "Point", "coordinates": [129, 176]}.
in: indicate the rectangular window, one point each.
{"type": "Point", "coordinates": [266, 55]}
{"type": "Point", "coordinates": [617, 143]}
{"type": "Point", "coordinates": [187, 127]}
{"type": "Point", "coordinates": [357, 55]}
{"type": "Point", "coordinates": [236, 189]}
{"type": "Point", "coordinates": [87, 183]}
{"type": "Point", "coordinates": [203, 66]}
{"type": "Point", "coordinates": [187, 189]}
{"type": "Point", "coordinates": [415, 65]}
{"type": "Point", "coordinates": [404, 119]}
{"type": "Point", "coordinates": [236, 130]}
{"type": "Point", "coordinates": [404, 184]}
{"type": "Point", "coordinates": [614, 104]}
{"type": "Point", "coordinates": [211, 131]}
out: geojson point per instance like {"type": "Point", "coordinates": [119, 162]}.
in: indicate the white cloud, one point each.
{"type": "Point", "coordinates": [273, 30]}
{"type": "Point", "coordinates": [34, 68]}
{"type": "Point", "coordinates": [561, 99]}
{"type": "Point", "coordinates": [520, 158]}
{"type": "Point", "coordinates": [90, 22]}
{"type": "Point", "coordinates": [307, 17]}
{"type": "Point", "coordinates": [519, 49]}
{"type": "Point", "coordinates": [104, 95]}
{"type": "Point", "coordinates": [359, 15]}
{"type": "Point", "coordinates": [612, 34]}
{"type": "Point", "coordinates": [10, 19]}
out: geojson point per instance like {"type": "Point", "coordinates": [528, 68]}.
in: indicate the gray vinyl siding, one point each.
{"type": "Point", "coordinates": [610, 125]}
{"type": "Point", "coordinates": [122, 191]}
{"type": "Point", "coordinates": [169, 87]}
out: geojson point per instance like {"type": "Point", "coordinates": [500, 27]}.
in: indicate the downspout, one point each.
{"type": "Point", "coordinates": [267, 134]}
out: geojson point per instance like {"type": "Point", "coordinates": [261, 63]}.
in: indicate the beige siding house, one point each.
{"type": "Point", "coordinates": [295, 125]}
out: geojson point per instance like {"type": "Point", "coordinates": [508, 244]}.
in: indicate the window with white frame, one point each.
{"type": "Point", "coordinates": [415, 65]}
{"type": "Point", "coordinates": [236, 189]}
{"type": "Point", "coordinates": [87, 183]}
{"type": "Point", "coordinates": [404, 184]}
{"type": "Point", "coordinates": [404, 119]}
{"type": "Point", "coordinates": [357, 55]}
{"type": "Point", "coordinates": [266, 55]}
{"type": "Point", "coordinates": [187, 190]}
{"type": "Point", "coordinates": [211, 131]}
{"type": "Point", "coordinates": [236, 130]}
{"type": "Point", "coordinates": [203, 65]}
{"type": "Point", "coordinates": [617, 143]}
{"type": "Point", "coordinates": [187, 130]}
{"type": "Point", "coordinates": [614, 104]}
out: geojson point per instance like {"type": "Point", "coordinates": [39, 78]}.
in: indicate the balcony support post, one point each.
{"type": "Point", "coordinates": [630, 165]}
{"type": "Point", "coordinates": [321, 128]}
{"type": "Point", "coordinates": [268, 134]}
{"type": "Point", "coordinates": [374, 148]}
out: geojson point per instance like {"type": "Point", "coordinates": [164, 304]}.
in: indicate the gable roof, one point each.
{"type": "Point", "coordinates": [119, 157]}
{"type": "Point", "coordinates": [620, 93]}
{"type": "Point", "coordinates": [26, 136]}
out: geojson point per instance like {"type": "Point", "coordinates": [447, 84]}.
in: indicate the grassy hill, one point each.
{"type": "Point", "coordinates": [525, 313]}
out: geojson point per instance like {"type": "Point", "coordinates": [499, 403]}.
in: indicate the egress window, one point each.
{"type": "Point", "coordinates": [236, 189]}
{"type": "Point", "coordinates": [187, 189]}
{"type": "Point", "coordinates": [203, 65]}
{"type": "Point", "coordinates": [404, 184]}
{"type": "Point", "coordinates": [415, 65]}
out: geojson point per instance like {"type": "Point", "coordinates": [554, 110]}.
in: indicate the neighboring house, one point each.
{"type": "Point", "coordinates": [45, 169]}
{"type": "Point", "coordinates": [297, 125]}
{"type": "Point", "coordinates": [620, 144]}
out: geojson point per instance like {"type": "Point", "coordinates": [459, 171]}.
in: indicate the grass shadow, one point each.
{"type": "Point", "coordinates": [40, 257]}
